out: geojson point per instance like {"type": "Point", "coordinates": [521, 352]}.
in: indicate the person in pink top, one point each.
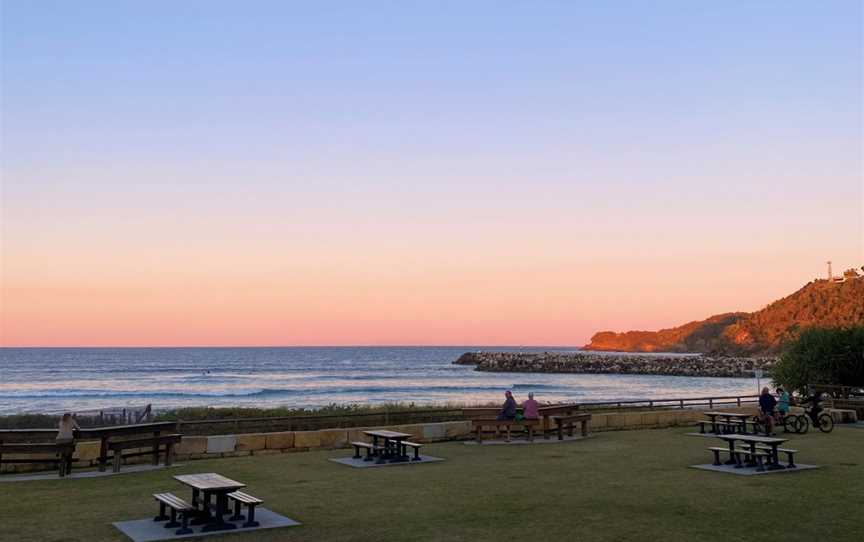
{"type": "Point", "coordinates": [530, 408]}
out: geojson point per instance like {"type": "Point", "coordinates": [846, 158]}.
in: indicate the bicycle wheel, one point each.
{"type": "Point", "coordinates": [790, 424]}
{"type": "Point", "coordinates": [803, 424]}
{"type": "Point", "coordinates": [826, 423]}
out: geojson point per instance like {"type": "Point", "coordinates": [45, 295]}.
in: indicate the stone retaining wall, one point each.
{"type": "Point", "coordinates": [204, 447]}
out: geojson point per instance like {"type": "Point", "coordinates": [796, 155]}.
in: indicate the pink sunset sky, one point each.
{"type": "Point", "coordinates": [304, 176]}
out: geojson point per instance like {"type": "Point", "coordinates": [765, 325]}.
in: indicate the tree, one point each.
{"type": "Point", "coordinates": [822, 356]}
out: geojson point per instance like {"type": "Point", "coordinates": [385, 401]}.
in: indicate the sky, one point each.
{"type": "Point", "coordinates": [395, 173]}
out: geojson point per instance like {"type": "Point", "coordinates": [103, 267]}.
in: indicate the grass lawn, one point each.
{"type": "Point", "coordinates": [627, 485]}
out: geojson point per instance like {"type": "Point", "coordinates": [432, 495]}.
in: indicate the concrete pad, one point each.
{"type": "Point", "coordinates": [537, 440]}
{"type": "Point", "coordinates": [147, 530]}
{"type": "Point", "coordinates": [857, 425]}
{"type": "Point", "coordinates": [360, 464]}
{"type": "Point", "coordinates": [52, 475]}
{"type": "Point", "coordinates": [750, 471]}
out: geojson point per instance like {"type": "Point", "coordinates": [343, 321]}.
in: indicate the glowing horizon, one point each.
{"type": "Point", "coordinates": [297, 175]}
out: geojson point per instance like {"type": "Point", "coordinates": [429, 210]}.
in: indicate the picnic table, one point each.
{"type": "Point", "coordinates": [392, 447]}
{"type": "Point", "coordinates": [729, 416]}
{"type": "Point", "coordinates": [210, 484]}
{"type": "Point", "coordinates": [560, 415]}
{"type": "Point", "coordinates": [752, 441]}
{"type": "Point", "coordinates": [153, 438]}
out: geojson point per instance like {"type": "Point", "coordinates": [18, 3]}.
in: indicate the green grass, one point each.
{"type": "Point", "coordinates": [628, 485]}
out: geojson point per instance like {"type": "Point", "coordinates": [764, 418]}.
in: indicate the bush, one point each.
{"type": "Point", "coordinates": [833, 356]}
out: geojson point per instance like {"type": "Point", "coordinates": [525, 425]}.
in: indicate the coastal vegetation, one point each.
{"type": "Point", "coordinates": [624, 485]}
{"type": "Point", "coordinates": [221, 413]}
{"type": "Point", "coordinates": [832, 356]}
{"type": "Point", "coordinates": [820, 303]}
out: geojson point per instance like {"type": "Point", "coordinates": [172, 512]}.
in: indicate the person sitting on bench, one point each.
{"type": "Point", "coordinates": [508, 410]}
{"type": "Point", "coordinates": [767, 402]}
{"type": "Point", "coordinates": [66, 428]}
{"type": "Point", "coordinates": [530, 408]}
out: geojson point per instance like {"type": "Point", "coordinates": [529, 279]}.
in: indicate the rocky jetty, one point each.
{"type": "Point", "coordinates": [582, 362]}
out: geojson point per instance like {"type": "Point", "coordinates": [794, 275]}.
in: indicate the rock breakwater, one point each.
{"type": "Point", "coordinates": [581, 362]}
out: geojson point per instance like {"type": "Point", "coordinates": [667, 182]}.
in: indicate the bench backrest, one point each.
{"type": "Point", "coordinates": [27, 435]}
{"type": "Point", "coordinates": [474, 413]}
{"type": "Point", "coordinates": [127, 430]}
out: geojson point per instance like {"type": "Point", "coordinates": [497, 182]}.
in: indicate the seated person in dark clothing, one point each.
{"type": "Point", "coordinates": [508, 410]}
{"type": "Point", "coordinates": [767, 403]}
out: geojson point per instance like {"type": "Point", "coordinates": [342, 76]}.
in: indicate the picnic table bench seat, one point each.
{"type": "Point", "coordinates": [735, 456]}
{"type": "Point", "coordinates": [156, 443]}
{"type": "Point", "coordinates": [569, 420]}
{"type": "Point", "coordinates": [413, 445]}
{"type": "Point", "coordinates": [790, 454]}
{"type": "Point", "coordinates": [177, 506]}
{"type": "Point", "coordinates": [369, 447]}
{"type": "Point", "coordinates": [240, 498]}
{"type": "Point", "coordinates": [61, 452]}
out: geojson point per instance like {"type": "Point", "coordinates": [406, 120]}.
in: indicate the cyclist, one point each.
{"type": "Point", "coordinates": [815, 401]}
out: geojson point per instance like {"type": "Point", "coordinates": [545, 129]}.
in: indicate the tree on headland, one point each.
{"type": "Point", "coordinates": [833, 356]}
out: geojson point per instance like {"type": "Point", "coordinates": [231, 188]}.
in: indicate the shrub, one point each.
{"type": "Point", "coordinates": [822, 356]}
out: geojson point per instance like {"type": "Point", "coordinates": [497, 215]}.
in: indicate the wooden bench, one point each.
{"type": "Point", "coordinates": [757, 457]}
{"type": "Point", "coordinates": [735, 456]}
{"type": "Point", "coordinates": [168, 441]}
{"type": "Point", "coordinates": [550, 411]}
{"type": "Point", "coordinates": [508, 425]}
{"type": "Point", "coordinates": [108, 435]}
{"type": "Point", "coordinates": [177, 505]}
{"type": "Point", "coordinates": [415, 446]}
{"type": "Point", "coordinates": [560, 421]}
{"type": "Point", "coordinates": [62, 452]}
{"type": "Point", "coordinates": [371, 450]}
{"type": "Point", "coordinates": [790, 454]}
{"type": "Point", "coordinates": [251, 502]}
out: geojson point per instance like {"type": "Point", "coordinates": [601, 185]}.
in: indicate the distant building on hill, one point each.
{"type": "Point", "coordinates": [851, 274]}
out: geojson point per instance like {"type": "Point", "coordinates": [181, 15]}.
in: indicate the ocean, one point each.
{"type": "Point", "coordinates": [51, 380]}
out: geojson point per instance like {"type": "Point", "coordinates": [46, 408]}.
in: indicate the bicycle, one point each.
{"type": "Point", "coordinates": [823, 421]}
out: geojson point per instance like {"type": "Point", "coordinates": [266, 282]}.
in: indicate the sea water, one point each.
{"type": "Point", "coordinates": [54, 380]}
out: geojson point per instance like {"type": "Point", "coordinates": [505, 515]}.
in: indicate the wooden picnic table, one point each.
{"type": "Point", "coordinates": [753, 440]}
{"type": "Point", "coordinates": [104, 434]}
{"type": "Point", "coordinates": [392, 444]}
{"type": "Point", "coordinates": [549, 412]}
{"type": "Point", "coordinates": [210, 484]}
{"type": "Point", "coordinates": [729, 416]}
